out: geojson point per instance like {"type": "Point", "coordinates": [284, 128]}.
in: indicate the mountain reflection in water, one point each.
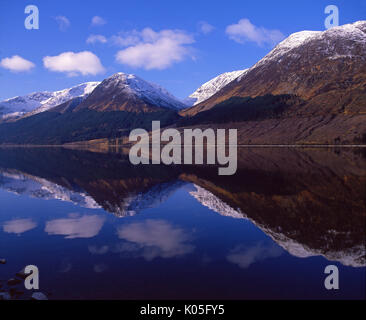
{"type": "Point", "coordinates": [310, 202]}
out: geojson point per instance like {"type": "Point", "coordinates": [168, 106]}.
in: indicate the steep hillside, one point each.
{"type": "Point", "coordinates": [327, 69]}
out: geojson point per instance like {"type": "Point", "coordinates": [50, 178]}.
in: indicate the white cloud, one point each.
{"type": "Point", "coordinates": [74, 63]}
{"type": "Point", "coordinates": [125, 39]}
{"type": "Point", "coordinates": [244, 31]}
{"type": "Point", "coordinates": [63, 22]}
{"type": "Point", "coordinates": [154, 238]}
{"type": "Point", "coordinates": [93, 38]}
{"type": "Point", "coordinates": [16, 64]}
{"type": "Point", "coordinates": [98, 21]}
{"type": "Point", "coordinates": [205, 27]}
{"type": "Point", "coordinates": [75, 227]}
{"type": "Point", "coordinates": [155, 50]}
{"type": "Point", "coordinates": [246, 256]}
{"type": "Point", "coordinates": [19, 226]}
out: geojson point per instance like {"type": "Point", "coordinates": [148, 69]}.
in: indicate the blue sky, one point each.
{"type": "Point", "coordinates": [177, 44]}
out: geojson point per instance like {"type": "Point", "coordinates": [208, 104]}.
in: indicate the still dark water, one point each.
{"type": "Point", "coordinates": [100, 228]}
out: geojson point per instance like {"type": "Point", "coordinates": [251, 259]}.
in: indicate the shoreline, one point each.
{"type": "Point", "coordinates": [238, 145]}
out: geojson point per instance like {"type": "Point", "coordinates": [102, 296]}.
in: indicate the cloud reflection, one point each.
{"type": "Point", "coordinates": [99, 268]}
{"type": "Point", "coordinates": [246, 256]}
{"type": "Point", "coordinates": [98, 250]}
{"type": "Point", "coordinates": [19, 226]}
{"type": "Point", "coordinates": [76, 227]}
{"type": "Point", "coordinates": [154, 238]}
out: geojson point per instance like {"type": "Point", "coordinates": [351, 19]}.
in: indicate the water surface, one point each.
{"type": "Point", "coordinates": [98, 227]}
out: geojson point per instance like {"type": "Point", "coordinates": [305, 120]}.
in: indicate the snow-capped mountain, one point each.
{"type": "Point", "coordinates": [129, 92]}
{"type": "Point", "coordinates": [209, 88]}
{"type": "Point", "coordinates": [327, 69]}
{"type": "Point", "coordinates": [42, 101]}
{"type": "Point", "coordinates": [335, 43]}
{"type": "Point", "coordinates": [59, 97]}
{"type": "Point", "coordinates": [117, 105]}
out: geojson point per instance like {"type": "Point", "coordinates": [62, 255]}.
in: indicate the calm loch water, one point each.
{"type": "Point", "coordinates": [100, 228]}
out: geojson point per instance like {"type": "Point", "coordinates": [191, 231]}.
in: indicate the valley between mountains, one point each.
{"type": "Point", "coordinates": [310, 89]}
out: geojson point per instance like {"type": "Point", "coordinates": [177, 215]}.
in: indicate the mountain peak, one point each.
{"type": "Point", "coordinates": [355, 33]}
{"type": "Point", "coordinates": [123, 91]}
{"type": "Point", "coordinates": [324, 68]}
{"type": "Point", "coordinates": [121, 76]}
{"type": "Point", "coordinates": [360, 25]}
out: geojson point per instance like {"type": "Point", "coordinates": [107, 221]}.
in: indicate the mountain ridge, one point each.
{"type": "Point", "coordinates": [209, 88]}
{"type": "Point", "coordinates": [129, 92]}
{"type": "Point", "coordinates": [308, 64]}
{"type": "Point", "coordinates": [310, 89]}
{"type": "Point", "coordinates": [36, 102]}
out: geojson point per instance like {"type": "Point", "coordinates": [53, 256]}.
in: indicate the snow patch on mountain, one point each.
{"type": "Point", "coordinates": [209, 88]}
{"type": "Point", "coordinates": [212, 202]}
{"type": "Point", "coordinates": [42, 101]}
{"type": "Point", "coordinates": [354, 256]}
{"type": "Point", "coordinates": [337, 42]}
{"type": "Point", "coordinates": [59, 97]}
{"type": "Point", "coordinates": [147, 91]}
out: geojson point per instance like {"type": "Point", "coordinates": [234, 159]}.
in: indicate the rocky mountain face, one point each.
{"type": "Point", "coordinates": [326, 69]}
{"type": "Point", "coordinates": [127, 92]}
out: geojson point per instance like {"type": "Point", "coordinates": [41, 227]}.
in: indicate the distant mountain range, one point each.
{"type": "Point", "coordinates": [310, 89]}
{"type": "Point", "coordinates": [37, 102]}
{"type": "Point", "coordinates": [116, 105]}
